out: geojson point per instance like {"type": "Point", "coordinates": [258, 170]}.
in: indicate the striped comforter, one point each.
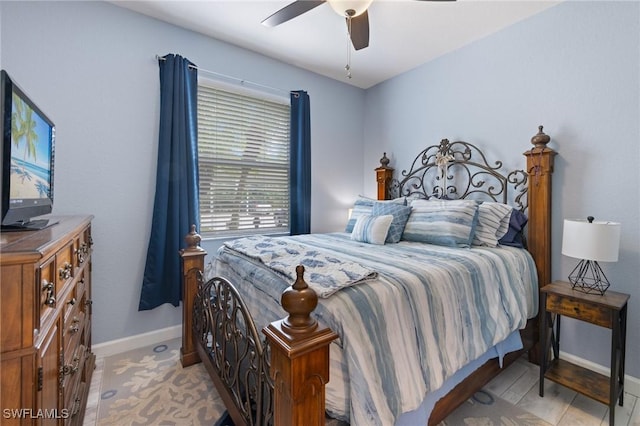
{"type": "Point", "coordinates": [432, 310]}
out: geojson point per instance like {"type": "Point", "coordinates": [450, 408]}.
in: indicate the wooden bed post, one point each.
{"type": "Point", "coordinates": [192, 259]}
{"type": "Point", "coordinates": [299, 358]}
{"type": "Point", "coordinates": [384, 174]}
{"type": "Point", "coordinates": [540, 168]}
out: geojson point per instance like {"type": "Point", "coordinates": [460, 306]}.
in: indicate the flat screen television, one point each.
{"type": "Point", "coordinates": [27, 154]}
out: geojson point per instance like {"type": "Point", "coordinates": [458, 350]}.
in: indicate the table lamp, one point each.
{"type": "Point", "coordinates": [590, 242]}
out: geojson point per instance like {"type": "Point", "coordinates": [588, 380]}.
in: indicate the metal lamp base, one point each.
{"type": "Point", "coordinates": [588, 277]}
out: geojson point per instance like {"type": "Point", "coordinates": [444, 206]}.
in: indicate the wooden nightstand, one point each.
{"type": "Point", "coordinates": [608, 310]}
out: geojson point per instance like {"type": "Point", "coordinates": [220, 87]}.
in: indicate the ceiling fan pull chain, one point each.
{"type": "Point", "coordinates": [348, 66]}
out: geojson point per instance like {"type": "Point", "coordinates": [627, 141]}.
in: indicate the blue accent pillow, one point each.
{"type": "Point", "coordinates": [442, 222]}
{"type": "Point", "coordinates": [400, 215]}
{"type": "Point", "coordinates": [371, 229]}
{"type": "Point", "coordinates": [515, 236]}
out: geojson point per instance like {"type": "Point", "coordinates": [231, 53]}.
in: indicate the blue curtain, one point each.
{"type": "Point", "coordinates": [176, 200]}
{"type": "Point", "coordinates": [300, 164]}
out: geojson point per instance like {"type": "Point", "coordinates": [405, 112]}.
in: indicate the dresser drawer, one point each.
{"type": "Point", "coordinates": [75, 408]}
{"type": "Point", "coordinates": [73, 326]}
{"type": "Point", "coordinates": [570, 307]}
{"type": "Point", "coordinates": [72, 373]}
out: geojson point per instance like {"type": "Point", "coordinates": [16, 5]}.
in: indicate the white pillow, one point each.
{"type": "Point", "coordinates": [371, 229]}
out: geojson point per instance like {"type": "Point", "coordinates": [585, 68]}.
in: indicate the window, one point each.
{"type": "Point", "coordinates": [243, 155]}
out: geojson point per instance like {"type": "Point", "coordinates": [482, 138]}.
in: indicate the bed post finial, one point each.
{"type": "Point", "coordinates": [193, 240]}
{"type": "Point", "coordinates": [384, 161]}
{"type": "Point", "coordinates": [540, 140]}
{"type": "Point", "coordinates": [299, 301]}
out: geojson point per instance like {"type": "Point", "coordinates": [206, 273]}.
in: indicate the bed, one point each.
{"type": "Point", "coordinates": [406, 343]}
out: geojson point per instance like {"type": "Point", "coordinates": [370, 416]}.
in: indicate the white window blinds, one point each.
{"type": "Point", "coordinates": [243, 155]}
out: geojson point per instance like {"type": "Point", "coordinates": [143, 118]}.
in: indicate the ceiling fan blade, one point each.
{"type": "Point", "coordinates": [359, 31]}
{"type": "Point", "coordinates": [290, 11]}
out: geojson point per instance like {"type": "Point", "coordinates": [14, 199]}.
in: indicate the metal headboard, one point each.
{"type": "Point", "coordinates": [468, 175]}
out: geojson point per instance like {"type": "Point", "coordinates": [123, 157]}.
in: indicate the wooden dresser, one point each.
{"type": "Point", "coordinates": [45, 323]}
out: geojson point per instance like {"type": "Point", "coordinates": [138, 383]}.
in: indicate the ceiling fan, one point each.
{"type": "Point", "coordinates": [354, 11]}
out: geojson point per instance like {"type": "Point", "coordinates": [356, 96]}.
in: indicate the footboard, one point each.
{"type": "Point", "coordinates": [236, 357]}
{"type": "Point", "coordinates": [279, 380]}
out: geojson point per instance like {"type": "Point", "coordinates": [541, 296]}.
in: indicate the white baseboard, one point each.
{"type": "Point", "coordinates": [125, 344]}
{"type": "Point", "coordinates": [631, 384]}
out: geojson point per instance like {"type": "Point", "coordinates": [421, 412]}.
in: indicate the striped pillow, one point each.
{"type": "Point", "coordinates": [493, 223]}
{"type": "Point", "coordinates": [443, 222]}
{"type": "Point", "coordinates": [371, 229]}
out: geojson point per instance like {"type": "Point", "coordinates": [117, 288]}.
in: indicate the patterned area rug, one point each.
{"type": "Point", "coordinates": [486, 409]}
{"type": "Point", "coordinates": [148, 386]}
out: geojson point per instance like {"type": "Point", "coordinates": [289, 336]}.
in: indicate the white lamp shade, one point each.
{"type": "Point", "coordinates": [597, 241]}
{"type": "Point", "coordinates": [341, 6]}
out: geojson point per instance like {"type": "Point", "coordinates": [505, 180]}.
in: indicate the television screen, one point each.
{"type": "Point", "coordinates": [27, 159]}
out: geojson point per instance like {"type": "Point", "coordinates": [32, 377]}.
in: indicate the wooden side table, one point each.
{"type": "Point", "coordinates": [608, 310]}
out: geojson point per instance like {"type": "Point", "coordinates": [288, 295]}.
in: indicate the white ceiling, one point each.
{"type": "Point", "coordinates": [403, 33]}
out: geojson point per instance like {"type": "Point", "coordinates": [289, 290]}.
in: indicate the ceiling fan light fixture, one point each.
{"type": "Point", "coordinates": [357, 6]}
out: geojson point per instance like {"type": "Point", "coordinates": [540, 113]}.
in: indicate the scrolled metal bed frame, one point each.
{"type": "Point", "coordinates": [235, 349]}
{"type": "Point", "coordinates": [465, 164]}
{"type": "Point", "coordinates": [280, 380]}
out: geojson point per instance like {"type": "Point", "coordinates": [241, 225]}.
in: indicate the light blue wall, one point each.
{"type": "Point", "coordinates": [574, 68]}
{"type": "Point", "coordinates": [91, 67]}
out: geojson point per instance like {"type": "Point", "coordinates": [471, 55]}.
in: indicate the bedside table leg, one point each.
{"type": "Point", "coordinates": [544, 342]}
{"type": "Point", "coordinates": [555, 340]}
{"type": "Point", "coordinates": [614, 381]}
{"type": "Point", "coordinates": [623, 344]}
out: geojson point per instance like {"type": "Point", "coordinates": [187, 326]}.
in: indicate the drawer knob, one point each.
{"type": "Point", "coordinates": [65, 271]}
{"type": "Point", "coordinates": [81, 252]}
{"type": "Point", "coordinates": [88, 303]}
{"type": "Point", "coordinates": [76, 406]}
{"type": "Point", "coordinates": [75, 327]}
{"type": "Point", "coordinates": [69, 369]}
{"type": "Point", "coordinates": [50, 298]}
{"type": "Point", "coordinates": [72, 301]}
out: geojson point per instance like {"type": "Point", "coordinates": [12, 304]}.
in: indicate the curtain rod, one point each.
{"type": "Point", "coordinates": [239, 80]}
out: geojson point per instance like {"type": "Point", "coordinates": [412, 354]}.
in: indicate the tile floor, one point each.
{"type": "Point", "coordinates": [518, 384]}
